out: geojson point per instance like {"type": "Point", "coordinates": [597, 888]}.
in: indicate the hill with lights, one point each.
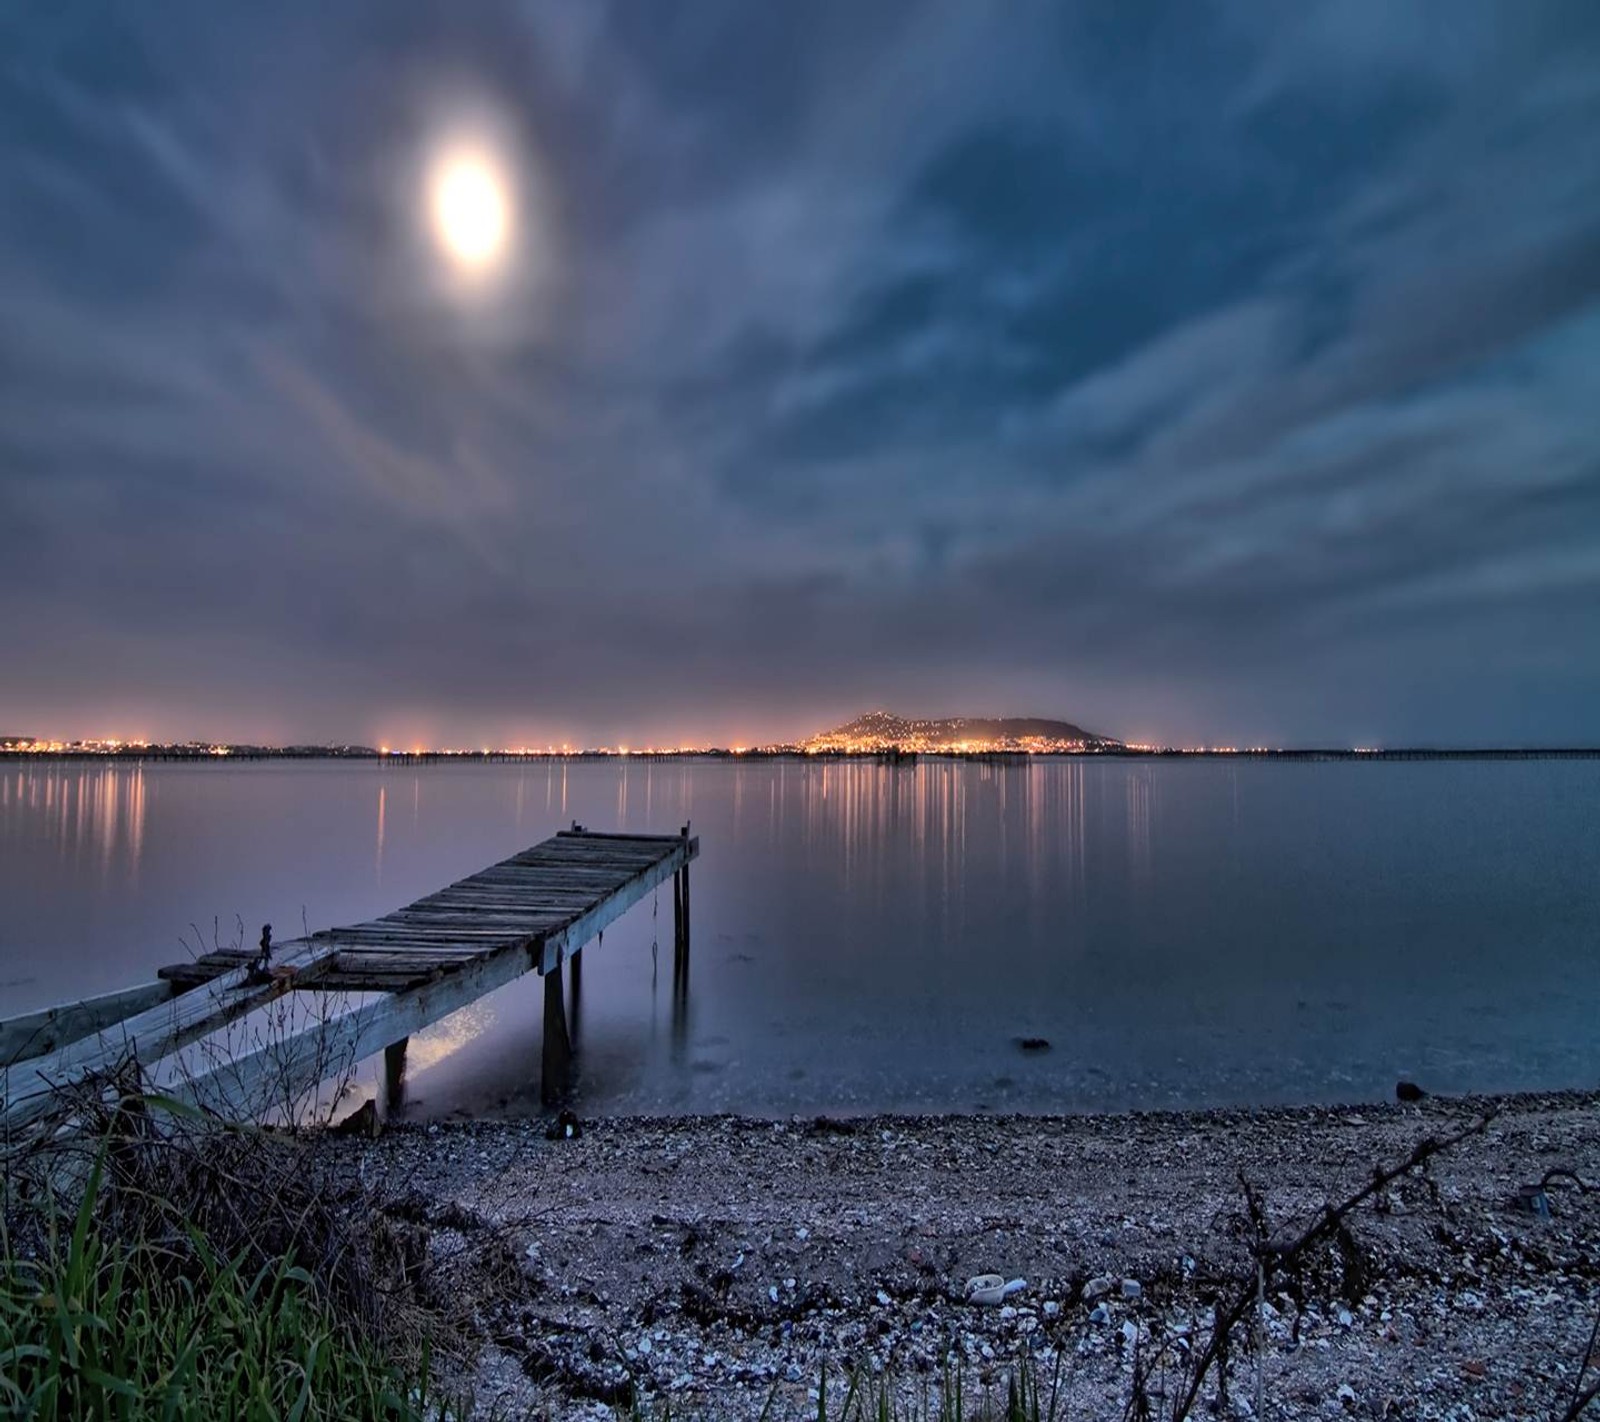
{"type": "Point", "coordinates": [882, 731]}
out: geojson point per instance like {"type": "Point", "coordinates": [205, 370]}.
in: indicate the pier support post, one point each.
{"type": "Point", "coordinates": [575, 1011]}
{"type": "Point", "coordinates": [685, 872]}
{"type": "Point", "coordinates": [680, 930]}
{"type": "Point", "coordinates": [677, 927]}
{"type": "Point", "coordinates": [394, 1075]}
{"type": "Point", "coordinates": [557, 1054]}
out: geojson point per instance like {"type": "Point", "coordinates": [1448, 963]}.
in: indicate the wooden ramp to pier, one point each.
{"type": "Point", "coordinates": [530, 913]}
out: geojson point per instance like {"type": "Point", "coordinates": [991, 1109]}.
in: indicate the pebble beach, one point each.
{"type": "Point", "coordinates": [724, 1267]}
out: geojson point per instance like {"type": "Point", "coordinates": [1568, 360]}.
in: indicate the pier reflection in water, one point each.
{"type": "Point", "coordinates": [877, 937]}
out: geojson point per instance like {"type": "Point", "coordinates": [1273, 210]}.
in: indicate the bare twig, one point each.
{"type": "Point", "coordinates": [1583, 1396]}
{"type": "Point", "coordinates": [1271, 1259]}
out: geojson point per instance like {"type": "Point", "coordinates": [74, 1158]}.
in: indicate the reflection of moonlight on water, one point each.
{"type": "Point", "coordinates": [470, 206]}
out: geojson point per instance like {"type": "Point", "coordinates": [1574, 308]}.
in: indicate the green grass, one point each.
{"type": "Point", "coordinates": [107, 1327]}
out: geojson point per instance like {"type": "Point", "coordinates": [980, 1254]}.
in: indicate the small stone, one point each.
{"type": "Point", "coordinates": [883, 1299]}
{"type": "Point", "coordinates": [1344, 1318]}
{"type": "Point", "coordinates": [1051, 1308]}
{"type": "Point", "coordinates": [1100, 1314]}
{"type": "Point", "coordinates": [772, 1293]}
{"type": "Point", "coordinates": [645, 1345]}
{"type": "Point", "coordinates": [1007, 1313]}
{"type": "Point", "coordinates": [1096, 1288]}
{"type": "Point", "coordinates": [1346, 1395]}
{"type": "Point", "coordinates": [1132, 1289]}
{"type": "Point", "coordinates": [1130, 1333]}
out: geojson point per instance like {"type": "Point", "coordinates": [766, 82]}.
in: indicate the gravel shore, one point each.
{"type": "Point", "coordinates": [716, 1266]}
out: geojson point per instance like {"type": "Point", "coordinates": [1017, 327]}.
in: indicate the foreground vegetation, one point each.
{"type": "Point", "coordinates": [154, 1265]}
{"type": "Point", "coordinates": [103, 1326]}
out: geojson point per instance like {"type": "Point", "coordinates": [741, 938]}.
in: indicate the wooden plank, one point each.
{"type": "Point", "coordinates": [519, 883]}
{"type": "Point", "coordinates": [401, 963]}
{"type": "Point", "coordinates": [379, 957]}
{"type": "Point", "coordinates": [618, 835]}
{"type": "Point", "coordinates": [571, 880]}
{"type": "Point", "coordinates": [26, 1088]}
{"type": "Point", "coordinates": [443, 928]}
{"type": "Point", "coordinates": [560, 849]}
{"type": "Point", "coordinates": [522, 885]}
{"type": "Point", "coordinates": [553, 895]}
{"type": "Point", "coordinates": [422, 939]}
{"type": "Point", "coordinates": [34, 1034]}
{"type": "Point", "coordinates": [504, 926]}
{"type": "Point", "coordinates": [556, 864]}
{"type": "Point", "coordinates": [565, 850]}
{"type": "Point", "coordinates": [563, 864]}
{"type": "Point", "coordinates": [368, 951]}
{"type": "Point", "coordinates": [482, 917]}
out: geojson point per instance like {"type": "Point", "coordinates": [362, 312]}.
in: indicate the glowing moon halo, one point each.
{"type": "Point", "coordinates": [471, 209]}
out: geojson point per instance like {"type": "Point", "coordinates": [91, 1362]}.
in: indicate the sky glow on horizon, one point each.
{"type": "Point", "coordinates": [712, 373]}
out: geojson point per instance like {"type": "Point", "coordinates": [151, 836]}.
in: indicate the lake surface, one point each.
{"type": "Point", "coordinates": [872, 937]}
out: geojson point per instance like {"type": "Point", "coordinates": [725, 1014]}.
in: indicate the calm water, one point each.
{"type": "Point", "coordinates": [869, 937]}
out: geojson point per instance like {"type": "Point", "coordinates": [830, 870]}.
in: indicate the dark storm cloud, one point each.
{"type": "Point", "coordinates": [1193, 370]}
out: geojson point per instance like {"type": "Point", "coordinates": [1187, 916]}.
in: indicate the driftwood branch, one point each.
{"type": "Point", "coordinates": [1582, 1396]}
{"type": "Point", "coordinates": [1272, 1259]}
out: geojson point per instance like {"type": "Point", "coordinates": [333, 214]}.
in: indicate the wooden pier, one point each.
{"type": "Point", "coordinates": [533, 912]}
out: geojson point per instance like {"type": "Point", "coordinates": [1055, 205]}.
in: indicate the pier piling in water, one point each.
{"type": "Point", "coordinates": [556, 1053]}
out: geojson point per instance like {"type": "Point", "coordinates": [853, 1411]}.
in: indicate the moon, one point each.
{"type": "Point", "coordinates": [470, 203]}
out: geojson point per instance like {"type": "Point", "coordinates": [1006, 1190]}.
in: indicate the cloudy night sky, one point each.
{"type": "Point", "coordinates": [1195, 371]}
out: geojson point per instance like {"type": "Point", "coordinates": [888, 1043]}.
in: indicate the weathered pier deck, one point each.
{"type": "Point", "coordinates": [532, 912]}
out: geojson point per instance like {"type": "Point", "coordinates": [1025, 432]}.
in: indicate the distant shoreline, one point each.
{"type": "Point", "coordinates": [888, 757]}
